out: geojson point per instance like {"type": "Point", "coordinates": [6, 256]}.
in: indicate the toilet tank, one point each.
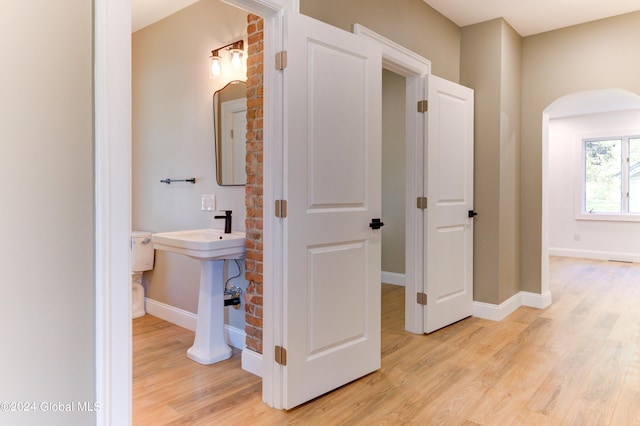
{"type": "Point", "coordinates": [141, 251]}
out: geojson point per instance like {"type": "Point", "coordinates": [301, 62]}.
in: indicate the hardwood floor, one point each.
{"type": "Point", "coordinates": [575, 363]}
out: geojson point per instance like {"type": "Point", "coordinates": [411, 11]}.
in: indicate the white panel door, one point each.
{"type": "Point", "coordinates": [332, 92]}
{"type": "Point", "coordinates": [449, 187]}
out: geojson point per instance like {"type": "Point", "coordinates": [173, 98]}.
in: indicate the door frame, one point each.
{"type": "Point", "coordinates": [414, 68]}
{"type": "Point", "coordinates": [112, 191]}
{"type": "Point", "coordinates": [112, 211]}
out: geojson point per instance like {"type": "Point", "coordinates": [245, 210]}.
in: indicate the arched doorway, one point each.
{"type": "Point", "coordinates": [587, 103]}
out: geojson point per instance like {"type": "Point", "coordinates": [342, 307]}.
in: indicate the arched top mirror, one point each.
{"type": "Point", "coordinates": [230, 128]}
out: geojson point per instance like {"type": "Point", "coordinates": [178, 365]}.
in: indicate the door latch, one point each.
{"type": "Point", "coordinates": [472, 213]}
{"type": "Point", "coordinates": [376, 224]}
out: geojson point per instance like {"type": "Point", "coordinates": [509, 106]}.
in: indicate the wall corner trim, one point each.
{"type": "Point", "coordinates": [499, 312]}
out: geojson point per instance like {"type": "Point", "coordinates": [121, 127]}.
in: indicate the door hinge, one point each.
{"type": "Point", "coordinates": [281, 208]}
{"type": "Point", "coordinates": [423, 106]}
{"type": "Point", "coordinates": [281, 355]}
{"type": "Point", "coordinates": [422, 299]}
{"type": "Point", "coordinates": [281, 60]}
{"type": "Point", "coordinates": [421, 202]}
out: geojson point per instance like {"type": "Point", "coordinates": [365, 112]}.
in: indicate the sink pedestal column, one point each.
{"type": "Point", "coordinates": [209, 345]}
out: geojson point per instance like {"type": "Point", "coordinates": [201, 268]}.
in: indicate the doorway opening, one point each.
{"type": "Point", "coordinates": [403, 65]}
{"type": "Point", "coordinates": [188, 122]}
{"type": "Point", "coordinates": [565, 122]}
{"type": "Point", "coordinates": [393, 180]}
{"type": "Point", "coordinates": [112, 146]}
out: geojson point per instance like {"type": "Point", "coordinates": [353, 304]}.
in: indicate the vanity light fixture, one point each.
{"type": "Point", "coordinates": [236, 50]}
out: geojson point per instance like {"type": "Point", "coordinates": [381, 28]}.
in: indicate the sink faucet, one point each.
{"type": "Point", "coordinates": [227, 221]}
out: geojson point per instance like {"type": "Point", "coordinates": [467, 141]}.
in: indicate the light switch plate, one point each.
{"type": "Point", "coordinates": [208, 203]}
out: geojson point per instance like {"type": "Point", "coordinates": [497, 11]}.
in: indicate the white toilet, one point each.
{"type": "Point", "coordinates": [141, 260]}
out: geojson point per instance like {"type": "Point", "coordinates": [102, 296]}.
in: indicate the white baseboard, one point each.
{"type": "Point", "coordinates": [235, 337]}
{"type": "Point", "coordinates": [592, 254]}
{"type": "Point", "coordinates": [496, 312]}
{"type": "Point", "coordinates": [185, 319]}
{"type": "Point", "coordinates": [252, 362]}
{"type": "Point", "coordinates": [501, 311]}
{"type": "Point", "coordinates": [393, 278]}
{"type": "Point", "coordinates": [535, 300]}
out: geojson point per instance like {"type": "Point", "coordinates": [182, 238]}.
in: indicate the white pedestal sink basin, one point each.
{"type": "Point", "coordinates": [211, 247]}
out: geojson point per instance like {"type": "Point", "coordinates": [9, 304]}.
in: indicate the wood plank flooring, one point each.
{"type": "Point", "coordinates": [574, 363]}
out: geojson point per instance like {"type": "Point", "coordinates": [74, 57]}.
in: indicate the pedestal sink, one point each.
{"type": "Point", "coordinates": [211, 247]}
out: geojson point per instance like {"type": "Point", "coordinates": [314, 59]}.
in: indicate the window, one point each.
{"type": "Point", "coordinates": [611, 180]}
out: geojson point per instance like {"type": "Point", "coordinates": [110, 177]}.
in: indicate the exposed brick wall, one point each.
{"type": "Point", "coordinates": [253, 200]}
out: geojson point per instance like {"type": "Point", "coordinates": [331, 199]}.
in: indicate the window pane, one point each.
{"type": "Point", "coordinates": [603, 176]}
{"type": "Point", "coordinates": [634, 175]}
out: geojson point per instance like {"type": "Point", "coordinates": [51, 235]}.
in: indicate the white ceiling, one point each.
{"type": "Point", "coordinates": [526, 16]}
{"type": "Point", "coordinates": [530, 17]}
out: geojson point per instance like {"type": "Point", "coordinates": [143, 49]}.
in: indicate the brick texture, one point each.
{"type": "Point", "coordinates": [253, 196]}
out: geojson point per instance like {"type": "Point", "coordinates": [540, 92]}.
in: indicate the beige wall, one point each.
{"type": "Point", "coordinates": [597, 55]}
{"type": "Point", "coordinates": [46, 187]}
{"type": "Point", "coordinates": [173, 138]}
{"type": "Point", "coordinates": [491, 65]}
{"type": "Point", "coordinates": [553, 64]}
{"type": "Point", "coordinates": [510, 140]}
{"type": "Point", "coordinates": [393, 172]}
{"type": "Point", "coordinates": [480, 70]}
{"type": "Point", "coordinates": [410, 23]}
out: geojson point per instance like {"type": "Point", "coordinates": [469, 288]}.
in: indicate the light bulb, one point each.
{"type": "Point", "coordinates": [215, 65]}
{"type": "Point", "coordinates": [236, 58]}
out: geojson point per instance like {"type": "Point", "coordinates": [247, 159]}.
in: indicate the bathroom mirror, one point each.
{"type": "Point", "coordinates": [230, 129]}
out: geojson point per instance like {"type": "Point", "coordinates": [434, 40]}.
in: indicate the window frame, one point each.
{"type": "Point", "coordinates": [624, 215]}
